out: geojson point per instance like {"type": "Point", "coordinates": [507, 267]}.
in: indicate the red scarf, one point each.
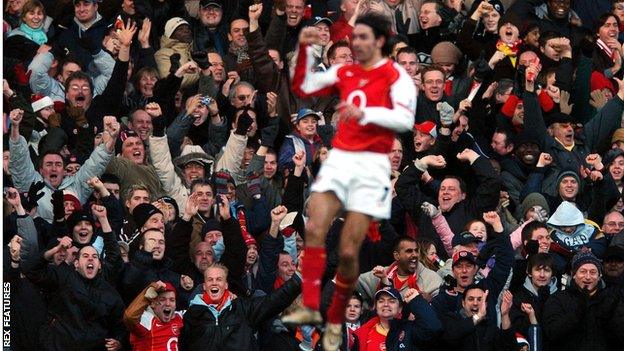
{"type": "Point", "coordinates": [219, 303]}
{"type": "Point", "coordinates": [411, 281]}
{"type": "Point", "coordinates": [278, 283]}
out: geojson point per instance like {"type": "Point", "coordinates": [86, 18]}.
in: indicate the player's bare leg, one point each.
{"type": "Point", "coordinates": [322, 209]}
{"type": "Point", "coordinates": [351, 238]}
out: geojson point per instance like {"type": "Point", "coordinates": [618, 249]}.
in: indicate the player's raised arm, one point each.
{"type": "Point", "coordinates": [400, 117]}
{"type": "Point", "coordinates": [306, 82]}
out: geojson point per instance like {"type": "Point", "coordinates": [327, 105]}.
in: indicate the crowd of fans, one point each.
{"type": "Point", "coordinates": [157, 162]}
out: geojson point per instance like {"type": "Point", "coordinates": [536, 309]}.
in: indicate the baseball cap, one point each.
{"type": "Point", "coordinates": [464, 238]}
{"type": "Point", "coordinates": [427, 127]}
{"type": "Point", "coordinates": [304, 112]}
{"type": "Point", "coordinates": [319, 19]}
{"type": "Point", "coordinates": [389, 291]}
{"type": "Point", "coordinates": [173, 24]}
{"type": "Point", "coordinates": [463, 256]}
{"type": "Point", "coordinates": [215, 3]}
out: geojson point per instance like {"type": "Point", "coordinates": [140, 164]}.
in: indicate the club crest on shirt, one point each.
{"type": "Point", "coordinates": [175, 330]}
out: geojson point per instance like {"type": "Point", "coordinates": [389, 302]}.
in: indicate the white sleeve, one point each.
{"type": "Point", "coordinates": [307, 82]}
{"type": "Point", "coordinates": [401, 117]}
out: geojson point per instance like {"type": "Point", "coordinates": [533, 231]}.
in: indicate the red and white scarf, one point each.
{"type": "Point", "coordinates": [411, 281]}
{"type": "Point", "coordinates": [606, 49]}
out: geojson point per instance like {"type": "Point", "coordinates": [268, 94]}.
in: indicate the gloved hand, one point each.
{"type": "Point", "coordinates": [446, 112]}
{"type": "Point", "coordinates": [244, 122]}
{"type": "Point", "coordinates": [158, 124]}
{"type": "Point", "coordinates": [430, 209]}
{"type": "Point", "coordinates": [58, 208]}
{"type": "Point", "coordinates": [174, 59]}
{"type": "Point", "coordinates": [34, 194]}
{"type": "Point", "coordinates": [268, 135]}
{"type": "Point", "coordinates": [201, 58]}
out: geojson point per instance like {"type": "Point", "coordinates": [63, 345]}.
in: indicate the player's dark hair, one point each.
{"type": "Point", "coordinates": [381, 27]}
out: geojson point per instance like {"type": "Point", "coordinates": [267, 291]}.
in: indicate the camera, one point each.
{"type": "Point", "coordinates": [206, 100]}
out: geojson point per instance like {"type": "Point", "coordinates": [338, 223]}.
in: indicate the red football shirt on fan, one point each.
{"type": "Point", "coordinates": [153, 335]}
{"type": "Point", "coordinates": [376, 341]}
{"type": "Point", "coordinates": [384, 92]}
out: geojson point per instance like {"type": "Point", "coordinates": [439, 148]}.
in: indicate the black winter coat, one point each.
{"type": "Point", "coordinates": [81, 313]}
{"type": "Point", "coordinates": [575, 321]}
{"type": "Point", "coordinates": [236, 324]}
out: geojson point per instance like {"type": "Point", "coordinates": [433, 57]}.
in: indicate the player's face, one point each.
{"type": "Point", "coordinates": [164, 306]}
{"type": "Point", "coordinates": [364, 44]}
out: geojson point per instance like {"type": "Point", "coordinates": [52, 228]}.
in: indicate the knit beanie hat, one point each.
{"type": "Point", "coordinates": [210, 225]}
{"type": "Point", "coordinates": [566, 215]}
{"type": "Point", "coordinates": [521, 340]}
{"type": "Point", "coordinates": [143, 212]}
{"type": "Point", "coordinates": [599, 81]}
{"type": "Point", "coordinates": [534, 199]}
{"type": "Point", "coordinates": [583, 257]}
{"type": "Point", "coordinates": [568, 173]}
{"type": "Point", "coordinates": [445, 52]}
{"type": "Point", "coordinates": [74, 199]}
{"type": "Point", "coordinates": [76, 217]}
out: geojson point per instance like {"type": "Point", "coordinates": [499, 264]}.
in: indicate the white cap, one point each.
{"type": "Point", "coordinates": [42, 103]}
{"type": "Point", "coordinates": [172, 24]}
{"type": "Point", "coordinates": [567, 214]}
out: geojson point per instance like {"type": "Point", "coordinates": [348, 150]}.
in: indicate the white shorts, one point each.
{"type": "Point", "coordinates": [360, 180]}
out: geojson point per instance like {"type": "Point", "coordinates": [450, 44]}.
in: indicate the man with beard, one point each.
{"type": "Point", "coordinates": [85, 312]}
{"type": "Point", "coordinates": [51, 169]}
{"type": "Point", "coordinates": [584, 316]}
{"type": "Point", "coordinates": [152, 319]}
{"type": "Point", "coordinates": [405, 273]}
{"type": "Point", "coordinates": [378, 98]}
{"type": "Point", "coordinates": [209, 321]}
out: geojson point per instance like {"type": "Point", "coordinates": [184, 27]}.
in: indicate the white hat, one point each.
{"type": "Point", "coordinates": [566, 215]}
{"type": "Point", "coordinates": [42, 103]}
{"type": "Point", "coordinates": [172, 24]}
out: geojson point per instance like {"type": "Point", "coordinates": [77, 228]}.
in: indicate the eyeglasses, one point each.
{"type": "Point", "coordinates": [243, 98]}
{"type": "Point", "coordinates": [80, 88]}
